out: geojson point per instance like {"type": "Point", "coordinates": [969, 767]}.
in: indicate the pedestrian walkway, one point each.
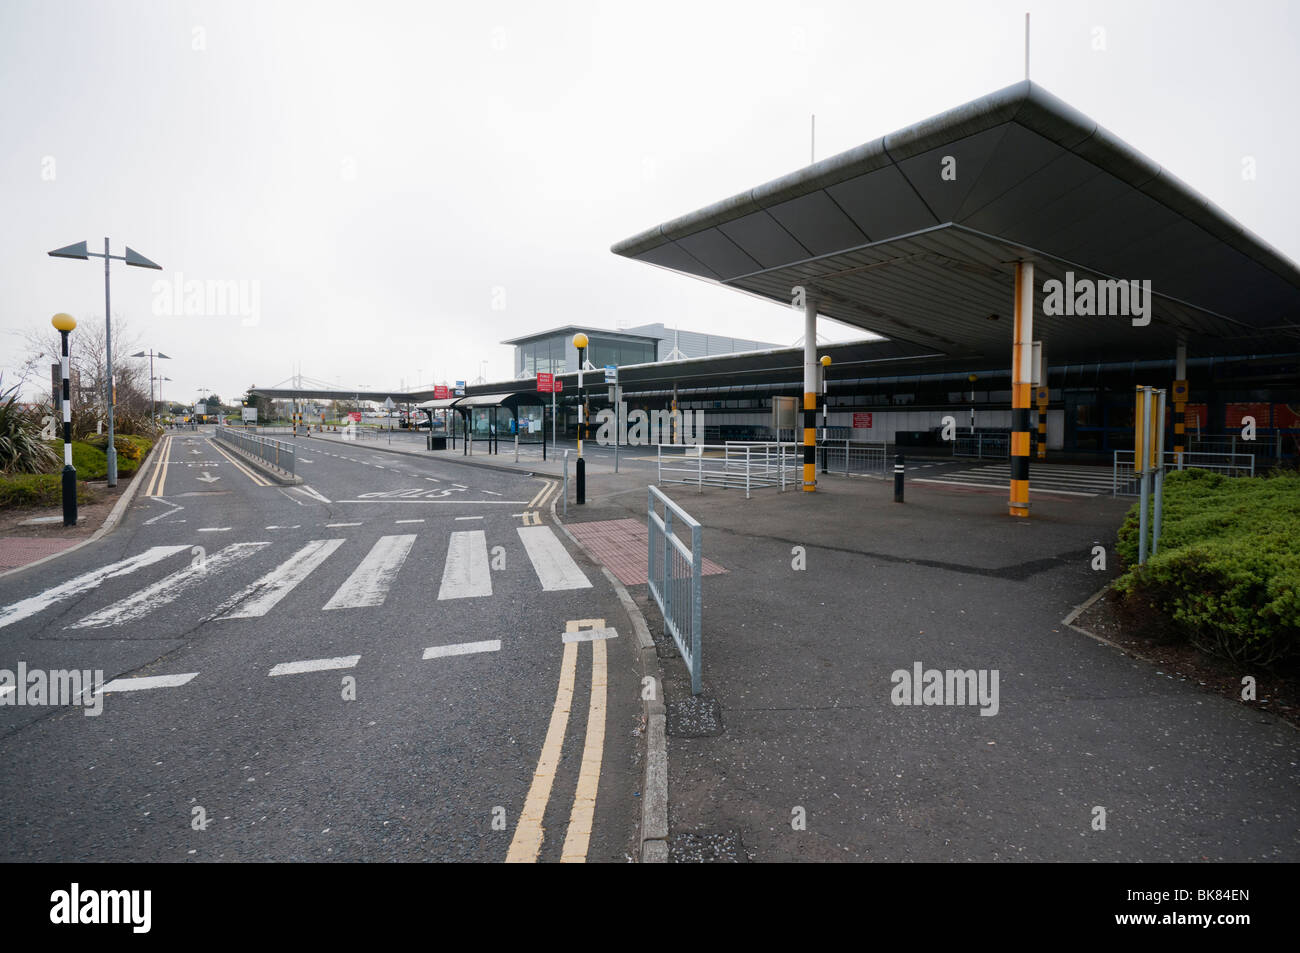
{"type": "Point", "coordinates": [836, 724]}
{"type": "Point", "coordinates": [468, 560]}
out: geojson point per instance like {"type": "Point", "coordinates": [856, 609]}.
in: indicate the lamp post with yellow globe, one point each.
{"type": "Point", "coordinates": [826, 365]}
{"type": "Point", "coordinates": [64, 323]}
{"type": "Point", "coordinates": [580, 342]}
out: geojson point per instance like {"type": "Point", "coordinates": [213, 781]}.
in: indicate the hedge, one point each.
{"type": "Point", "coordinates": [1228, 571]}
{"type": "Point", "coordinates": [39, 489]}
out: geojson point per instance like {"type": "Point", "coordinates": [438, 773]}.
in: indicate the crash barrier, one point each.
{"type": "Point", "coordinates": [274, 453]}
{"type": "Point", "coordinates": [675, 576]}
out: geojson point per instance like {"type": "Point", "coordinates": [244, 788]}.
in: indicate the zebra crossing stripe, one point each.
{"type": "Point", "coordinates": [167, 589]}
{"type": "Point", "coordinates": [260, 597]}
{"type": "Point", "coordinates": [466, 573]}
{"type": "Point", "coordinates": [370, 581]}
{"type": "Point", "coordinates": [83, 583]}
{"type": "Point", "coordinates": [551, 561]}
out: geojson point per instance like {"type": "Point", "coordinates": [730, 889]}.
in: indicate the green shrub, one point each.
{"type": "Point", "coordinates": [90, 461]}
{"type": "Point", "coordinates": [38, 489]}
{"type": "Point", "coordinates": [1228, 570]}
{"type": "Point", "coordinates": [131, 449]}
{"type": "Point", "coordinates": [21, 447]}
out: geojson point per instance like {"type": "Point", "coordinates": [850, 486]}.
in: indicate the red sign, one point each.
{"type": "Point", "coordinates": [355, 416]}
{"type": "Point", "coordinates": [544, 383]}
{"type": "Point", "coordinates": [559, 385]}
{"type": "Point", "coordinates": [440, 392]}
{"type": "Point", "coordinates": [862, 421]}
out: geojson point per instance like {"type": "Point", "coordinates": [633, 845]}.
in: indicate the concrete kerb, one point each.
{"type": "Point", "coordinates": [280, 477]}
{"type": "Point", "coordinates": [114, 516]}
{"type": "Point", "coordinates": [654, 789]}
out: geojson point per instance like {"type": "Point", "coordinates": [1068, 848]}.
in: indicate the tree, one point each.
{"type": "Point", "coordinates": [88, 369]}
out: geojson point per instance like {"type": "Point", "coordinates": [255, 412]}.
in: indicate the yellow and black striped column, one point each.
{"type": "Point", "coordinates": [1040, 396]}
{"type": "Point", "coordinates": [1021, 371]}
{"type": "Point", "coordinates": [810, 367]}
{"type": "Point", "coordinates": [1180, 393]}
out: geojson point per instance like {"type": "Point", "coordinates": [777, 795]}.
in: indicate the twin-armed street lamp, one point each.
{"type": "Point", "coordinates": [64, 323]}
{"type": "Point", "coordinates": [151, 354]}
{"type": "Point", "coordinates": [580, 342]}
{"type": "Point", "coordinates": [137, 260]}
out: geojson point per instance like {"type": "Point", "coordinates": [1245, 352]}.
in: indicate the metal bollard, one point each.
{"type": "Point", "coordinates": [898, 478]}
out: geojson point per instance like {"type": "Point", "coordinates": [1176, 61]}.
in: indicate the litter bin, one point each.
{"type": "Point", "coordinates": [437, 442]}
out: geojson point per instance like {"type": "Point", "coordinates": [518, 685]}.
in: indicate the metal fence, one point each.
{"type": "Point", "coordinates": [982, 446]}
{"type": "Point", "coordinates": [675, 576]}
{"type": "Point", "coordinates": [276, 453]}
{"type": "Point", "coordinates": [734, 465]}
{"type": "Point", "coordinates": [853, 459]}
{"type": "Point", "coordinates": [1124, 482]}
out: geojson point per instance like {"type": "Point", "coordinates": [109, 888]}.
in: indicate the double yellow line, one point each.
{"type": "Point", "coordinates": [532, 514]}
{"type": "Point", "coordinates": [529, 833]}
{"type": "Point", "coordinates": [158, 478]}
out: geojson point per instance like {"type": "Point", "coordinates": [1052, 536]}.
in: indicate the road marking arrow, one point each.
{"type": "Point", "coordinates": [206, 477]}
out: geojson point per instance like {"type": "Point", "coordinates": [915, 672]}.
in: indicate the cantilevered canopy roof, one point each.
{"type": "Point", "coordinates": [891, 245]}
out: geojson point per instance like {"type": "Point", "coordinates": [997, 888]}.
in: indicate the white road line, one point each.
{"type": "Point", "coordinates": [370, 581]}
{"type": "Point", "coordinates": [336, 525]}
{"type": "Point", "coordinates": [260, 597]}
{"type": "Point", "coordinates": [462, 648]}
{"type": "Point", "coordinates": [493, 492]}
{"type": "Point", "coordinates": [168, 589]}
{"type": "Point", "coordinates": [214, 529]}
{"type": "Point", "coordinates": [459, 518]}
{"type": "Point", "coordinates": [433, 480]}
{"type": "Point", "coordinates": [409, 521]}
{"type": "Point", "coordinates": [312, 493]}
{"type": "Point", "coordinates": [465, 502]}
{"type": "Point", "coordinates": [591, 635]}
{"type": "Point", "coordinates": [83, 583]}
{"type": "Point", "coordinates": [147, 682]}
{"type": "Point", "coordinates": [551, 561]}
{"type": "Point", "coordinates": [314, 665]}
{"type": "Point", "coordinates": [999, 486]}
{"type": "Point", "coordinates": [466, 573]}
{"type": "Point", "coordinates": [461, 485]}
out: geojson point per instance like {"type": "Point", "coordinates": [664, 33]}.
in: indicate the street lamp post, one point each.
{"type": "Point", "coordinates": [135, 259]}
{"type": "Point", "coordinates": [580, 342]}
{"type": "Point", "coordinates": [826, 423]}
{"type": "Point", "coordinates": [160, 378]}
{"type": "Point", "coordinates": [64, 323]}
{"type": "Point", "coordinates": [153, 412]}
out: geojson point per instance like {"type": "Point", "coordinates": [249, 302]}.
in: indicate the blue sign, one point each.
{"type": "Point", "coordinates": [460, 388]}
{"type": "Point", "coordinates": [611, 374]}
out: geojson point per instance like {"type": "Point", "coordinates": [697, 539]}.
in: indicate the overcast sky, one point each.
{"type": "Point", "coordinates": [407, 184]}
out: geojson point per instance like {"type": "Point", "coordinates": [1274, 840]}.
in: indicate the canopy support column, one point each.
{"type": "Point", "coordinates": [1022, 356]}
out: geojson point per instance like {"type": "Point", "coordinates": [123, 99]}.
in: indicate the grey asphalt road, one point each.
{"type": "Point", "coordinates": [384, 755]}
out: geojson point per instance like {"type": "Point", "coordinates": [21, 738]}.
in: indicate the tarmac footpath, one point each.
{"type": "Point", "coordinates": [803, 746]}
